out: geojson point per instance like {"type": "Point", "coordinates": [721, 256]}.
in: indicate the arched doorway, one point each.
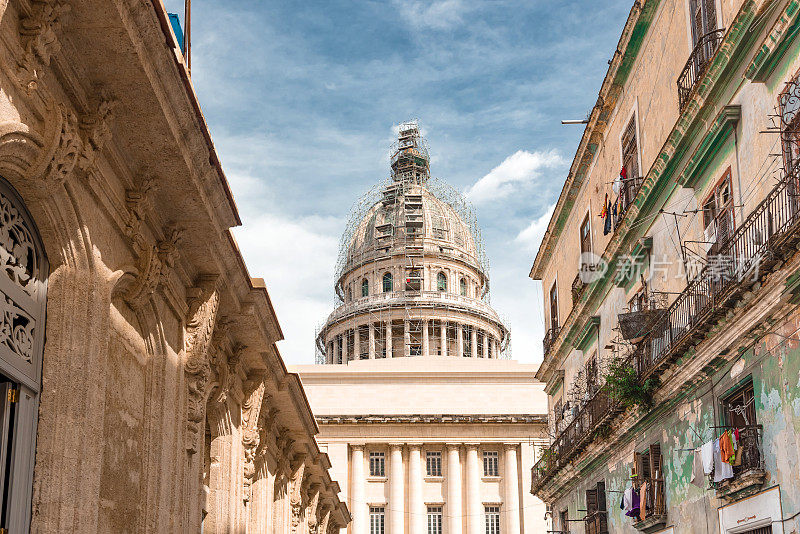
{"type": "Point", "coordinates": [23, 297]}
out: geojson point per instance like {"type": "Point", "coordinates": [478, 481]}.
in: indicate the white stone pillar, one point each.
{"type": "Point", "coordinates": [345, 354]}
{"type": "Point", "coordinates": [389, 338]}
{"type": "Point", "coordinates": [406, 338]}
{"type": "Point", "coordinates": [486, 345]}
{"type": "Point", "coordinates": [396, 489]}
{"type": "Point", "coordinates": [511, 490]}
{"type": "Point", "coordinates": [459, 341]}
{"type": "Point", "coordinates": [336, 353]}
{"type": "Point", "coordinates": [371, 340]}
{"type": "Point", "coordinates": [473, 334]}
{"type": "Point", "coordinates": [356, 343]}
{"type": "Point", "coordinates": [453, 505]}
{"type": "Point", "coordinates": [426, 342]}
{"type": "Point", "coordinates": [416, 503]}
{"type": "Point", "coordinates": [358, 493]}
{"type": "Point", "coordinates": [474, 511]}
{"type": "Point", "coordinates": [443, 334]}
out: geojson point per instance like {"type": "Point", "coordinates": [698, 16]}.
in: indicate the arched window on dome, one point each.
{"type": "Point", "coordinates": [441, 282]}
{"type": "Point", "coordinates": [388, 282]}
{"type": "Point", "coordinates": [462, 287]}
{"type": "Point", "coordinates": [364, 287]}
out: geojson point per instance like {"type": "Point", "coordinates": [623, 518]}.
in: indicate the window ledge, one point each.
{"type": "Point", "coordinates": [377, 479]}
{"type": "Point", "coordinates": [432, 478]}
{"type": "Point", "coordinates": [490, 478]}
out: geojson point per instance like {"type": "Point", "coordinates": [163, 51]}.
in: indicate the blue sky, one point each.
{"type": "Point", "coordinates": [302, 98]}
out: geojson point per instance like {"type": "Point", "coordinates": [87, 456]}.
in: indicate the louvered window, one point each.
{"type": "Point", "coordinates": [704, 18]}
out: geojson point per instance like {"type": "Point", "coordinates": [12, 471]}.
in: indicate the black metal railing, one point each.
{"type": "Point", "coordinates": [630, 187]}
{"type": "Point", "coordinates": [771, 229]}
{"type": "Point", "coordinates": [577, 287]}
{"type": "Point", "coordinates": [697, 64]}
{"type": "Point", "coordinates": [549, 338]}
{"type": "Point", "coordinates": [749, 456]}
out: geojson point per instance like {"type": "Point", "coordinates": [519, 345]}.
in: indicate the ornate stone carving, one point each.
{"type": "Point", "coordinates": [311, 508]}
{"type": "Point", "coordinates": [138, 203]}
{"type": "Point", "coordinates": [295, 488]}
{"type": "Point", "coordinates": [153, 265]}
{"type": "Point", "coordinates": [66, 153]}
{"type": "Point", "coordinates": [203, 307]}
{"type": "Point", "coordinates": [322, 525]}
{"type": "Point", "coordinates": [95, 129]}
{"type": "Point", "coordinates": [251, 407]}
{"type": "Point", "coordinates": [39, 35]}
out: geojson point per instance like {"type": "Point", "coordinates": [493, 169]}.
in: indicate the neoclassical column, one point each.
{"type": "Point", "coordinates": [358, 493]}
{"type": "Point", "coordinates": [426, 344]}
{"type": "Point", "coordinates": [371, 340]}
{"type": "Point", "coordinates": [486, 339]}
{"type": "Point", "coordinates": [388, 338]}
{"type": "Point", "coordinates": [511, 491]}
{"type": "Point", "coordinates": [459, 340]}
{"type": "Point", "coordinates": [396, 489]}
{"type": "Point", "coordinates": [344, 347]}
{"type": "Point", "coordinates": [453, 505]}
{"type": "Point", "coordinates": [443, 334]}
{"type": "Point", "coordinates": [416, 503]}
{"type": "Point", "coordinates": [356, 343]}
{"type": "Point", "coordinates": [336, 353]}
{"type": "Point", "coordinates": [473, 335]}
{"type": "Point", "coordinates": [406, 338]}
{"type": "Point", "coordinates": [474, 512]}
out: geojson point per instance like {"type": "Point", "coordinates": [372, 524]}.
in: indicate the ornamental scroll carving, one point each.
{"type": "Point", "coordinates": [254, 400]}
{"type": "Point", "coordinates": [296, 488]}
{"type": "Point", "coordinates": [203, 308]}
{"type": "Point", "coordinates": [311, 508]}
{"type": "Point", "coordinates": [322, 524]}
{"type": "Point", "coordinates": [153, 265]}
{"type": "Point", "coordinates": [39, 36]}
{"type": "Point", "coordinates": [66, 153]}
{"type": "Point", "coordinates": [95, 129]}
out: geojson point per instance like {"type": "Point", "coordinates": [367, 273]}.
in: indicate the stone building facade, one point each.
{"type": "Point", "coordinates": [670, 271]}
{"type": "Point", "coordinates": [142, 388]}
{"type": "Point", "coordinates": [444, 444]}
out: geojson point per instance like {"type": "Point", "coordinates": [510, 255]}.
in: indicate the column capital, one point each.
{"type": "Point", "coordinates": [396, 445]}
{"type": "Point", "coordinates": [471, 446]}
{"type": "Point", "coordinates": [358, 446]}
{"type": "Point", "coordinates": [414, 446]}
{"type": "Point", "coordinates": [508, 446]}
{"type": "Point", "coordinates": [453, 446]}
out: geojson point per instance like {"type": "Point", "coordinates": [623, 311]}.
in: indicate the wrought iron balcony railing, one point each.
{"type": "Point", "coordinates": [697, 64]}
{"type": "Point", "coordinates": [549, 337]}
{"type": "Point", "coordinates": [577, 287]}
{"type": "Point", "coordinates": [748, 469]}
{"type": "Point", "coordinates": [771, 231]}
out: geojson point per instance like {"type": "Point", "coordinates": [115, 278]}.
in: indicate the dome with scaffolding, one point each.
{"type": "Point", "coordinates": [411, 266]}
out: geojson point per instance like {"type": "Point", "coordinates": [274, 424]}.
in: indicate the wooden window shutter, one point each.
{"type": "Point", "coordinates": [636, 470]}
{"type": "Point", "coordinates": [655, 461]}
{"type": "Point", "coordinates": [591, 501]}
{"type": "Point", "coordinates": [601, 506]}
{"type": "Point", "coordinates": [710, 12]}
{"type": "Point", "coordinates": [646, 473]}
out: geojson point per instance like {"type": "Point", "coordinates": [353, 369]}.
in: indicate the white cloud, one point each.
{"type": "Point", "coordinates": [518, 169]}
{"type": "Point", "coordinates": [440, 15]}
{"type": "Point", "coordinates": [531, 237]}
{"type": "Point", "coordinates": [296, 259]}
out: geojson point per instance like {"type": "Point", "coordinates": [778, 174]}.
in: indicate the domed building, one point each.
{"type": "Point", "coordinates": [419, 406]}
{"type": "Point", "coordinates": [412, 278]}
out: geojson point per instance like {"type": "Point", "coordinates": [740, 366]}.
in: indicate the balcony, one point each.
{"type": "Point", "coordinates": [698, 62]}
{"type": "Point", "coordinates": [655, 507]}
{"type": "Point", "coordinates": [549, 338]}
{"type": "Point", "coordinates": [750, 475]}
{"type": "Point", "coordinates": [766, 236]}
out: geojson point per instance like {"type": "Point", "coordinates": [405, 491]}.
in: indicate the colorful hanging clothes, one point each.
{"type": "Point", "coordinates": [607, 225]}
{"type": "Point", "coordinates": [726, 447]}
{"type": "Point", "coordinates": [634, 511]}
{"type": "Point", "coordinates": [722, 470]}
{"type": "Point", "coordinates": [627, 501]}
{"type": "Point", "coordinates": [604, 212]}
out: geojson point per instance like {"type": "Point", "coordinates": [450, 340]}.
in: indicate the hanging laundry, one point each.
{"type": "Point", "coordinates": [707, 456]}
{"type": "Point", "coordinates": [722, 470]}
{"type": "Point", "coordinates": [634, 511]}
{"type": "Point", "coordinates": [698, 474]}
{"type": "Point", "coordinates": [607, 225]}
{"type": "Point", "coordinates": [726, 447]}
{"type": "Point", "coordinates": [643, 502]}
{"type": "Point", "coordinates": [627, 501]}
{"type": "Point", "coordinates": [604, 211]}
{"type": "Point", "coordinates": [617, 185]}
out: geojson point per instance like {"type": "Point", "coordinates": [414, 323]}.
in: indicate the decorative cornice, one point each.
{"type": "Point", "coordinates": [521, 419]}
{"type": "Point", "coordinates": [39, 35]}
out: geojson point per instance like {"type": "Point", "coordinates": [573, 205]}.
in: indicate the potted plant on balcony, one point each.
{"type": "Point", "coordinates": [623, 385]}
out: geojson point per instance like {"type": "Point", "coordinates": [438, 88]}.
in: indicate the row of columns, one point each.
{"type": "Point", "coordinates": [396, 515]}
{"type": "Point", "coordinates": [339, 351]}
